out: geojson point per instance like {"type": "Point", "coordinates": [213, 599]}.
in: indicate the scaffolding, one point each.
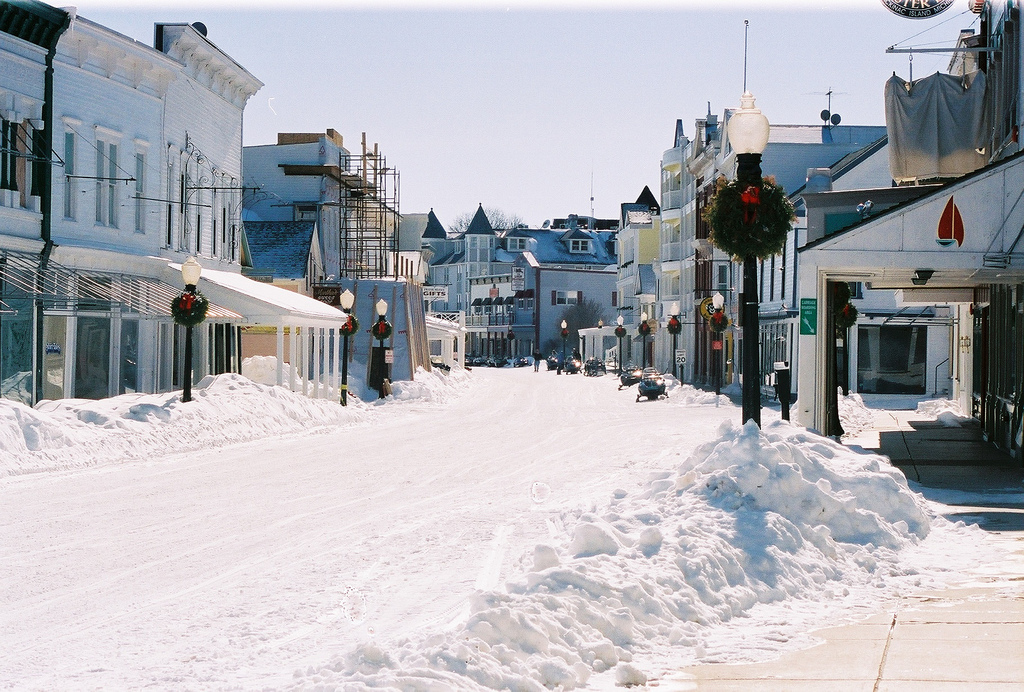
{"type": "Point", "coordinates": [370, 216]}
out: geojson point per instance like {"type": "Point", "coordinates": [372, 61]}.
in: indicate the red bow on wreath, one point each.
{"type": "Point", "coordinates": [187, 299]}
{"type": "Point", "coordinates": [751, 198]}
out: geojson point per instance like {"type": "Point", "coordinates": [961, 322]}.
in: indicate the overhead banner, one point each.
{"type": "Point", "coordinates": [917, 9]}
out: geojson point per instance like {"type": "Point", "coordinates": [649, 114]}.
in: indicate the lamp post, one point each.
{"type": "Point", "coordinates": [511, 338]}
{"type": "Point", "coordinates": [718, 301]}
{"type": "Point", "coordinates": [620, 332]}
{"type": "Point", "coordinates": [191, 270]}
{"type": "Point", "coordinates": [381, 331]}
{"type": "Point", "coordinates": [748, 135]}
{"type": "Point", "coordinates": [350, 327]}
{"type": "Point", "coordinates": [565, 335]}
{"type": "Point", "coordinates": [644, 329]}
{"type": "Point", "coordinates": [674, 327]}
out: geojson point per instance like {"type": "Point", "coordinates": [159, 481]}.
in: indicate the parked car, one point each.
{"type": "Point", "coordinates": [651, 385]}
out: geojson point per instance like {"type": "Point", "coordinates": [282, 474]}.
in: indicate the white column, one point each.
{"type": "Point", "coordinates": [293, 356]}
{"type": "Point", "coordinates": [316, 362]}
{"type": "Point", "coordinates": [280, 355]}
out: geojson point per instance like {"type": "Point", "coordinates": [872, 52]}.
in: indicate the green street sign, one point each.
{"type": "Point", "coordinates": [808, 316]}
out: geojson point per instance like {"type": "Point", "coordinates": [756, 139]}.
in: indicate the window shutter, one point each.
{"type": "Point", "coordinates": [554, 297]}
{"type": "Point", "coordinates": [579, 296]}
{"type": "Point", "coordinates": [615, 299]}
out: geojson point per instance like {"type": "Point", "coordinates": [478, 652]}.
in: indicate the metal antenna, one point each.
{"type": "Point", "coordinates": [746, 27]}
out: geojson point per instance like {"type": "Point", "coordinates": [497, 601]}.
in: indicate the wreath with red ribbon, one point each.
{"type": "Point", "coordinates": [674, 325]}
{"type": "Point", "coordinates": [644, 328]}
{"type": "Point", "coordinates": [749, 221]}
{"type": "Point", "coordinates": [846, 316]}
{"type": "Point", "coordinates": [350, 327]}
{"type": "Point", "coordinates": [620, 331]}
{"type": "Point", "coordinates": [719, 321]}
{"type": "Point", "coordinates": [381, 329]}
{"type": "Point", "coordinates": [189, 308]}
{"type": "Point", "coordinates": [565, 333]}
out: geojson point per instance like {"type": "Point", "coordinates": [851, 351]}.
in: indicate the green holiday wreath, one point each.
{"type": "Point", "coordinates": [644, 328]}
{"type": "Point", "coordinates": [719, 321]}
{"type": "Point", "coordinates": [674, 326]}
{"type": "Point", "coordinates": [846, 316]}
{"type": "Point", "coordinates": [749, 221]}
{"type": "Point", "coordinates": [189, 308]}
{"type": "Point", "coordinates": [381, 329]}
{"type": "Point", "coordinates": [351, 326]}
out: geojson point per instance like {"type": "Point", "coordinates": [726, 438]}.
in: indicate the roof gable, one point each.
{"type": "Point", "coordinates": [434, 229]}
{"type": "Point", "coordinates": [480, 225]}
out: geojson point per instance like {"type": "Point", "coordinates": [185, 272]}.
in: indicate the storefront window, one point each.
{"type": "Point", "coordinates": [92, 360]}
{"type": "Point", "coordinates": [891, 359]}
{"type": "Point", "coordinates": [129, 357]}
{"type": "Point", "coordinates": [55, 329]}
{"type": "Point", "coordinates": [16, 351]}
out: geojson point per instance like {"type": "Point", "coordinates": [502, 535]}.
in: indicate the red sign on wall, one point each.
{"type": "Point", "coordinates": [951, 226]}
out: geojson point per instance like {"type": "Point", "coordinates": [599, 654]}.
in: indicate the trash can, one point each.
{"type": "Point", "coordinates": [783, 384]}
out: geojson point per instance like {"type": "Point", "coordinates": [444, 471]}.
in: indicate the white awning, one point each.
{"type": "Point", "coordinates": [261, 303]}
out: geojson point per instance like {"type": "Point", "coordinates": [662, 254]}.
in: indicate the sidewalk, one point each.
{"type": "Point", "coordinates": [967, 638]}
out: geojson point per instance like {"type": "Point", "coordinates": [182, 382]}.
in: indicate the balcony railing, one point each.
{"type": "Point", "coordinates": [490, 320]}
{"type": "Point", "coordinates": [671, 199]}
{"type": "Point", "coordinates": [671, 252]}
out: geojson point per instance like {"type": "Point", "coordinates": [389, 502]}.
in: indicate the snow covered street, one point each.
{"type": "Point", "coordinates": [343, 553]}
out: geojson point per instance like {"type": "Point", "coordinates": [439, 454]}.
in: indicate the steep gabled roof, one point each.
{"type": "Point", "coordinates": [434, 229]}
{"type": "Point", "coordinates": [648, 199]}
{"type": "Point", "coordinates": [480, 225]}
{"type": "Point", "coordinates": [280, 248]}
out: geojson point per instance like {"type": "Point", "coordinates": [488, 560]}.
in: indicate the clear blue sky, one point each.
{"type": "Point", "coordinates": [519, 108]}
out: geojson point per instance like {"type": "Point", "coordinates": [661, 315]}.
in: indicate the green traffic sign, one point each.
{"type": "Point", "coordinates": [808, 316]}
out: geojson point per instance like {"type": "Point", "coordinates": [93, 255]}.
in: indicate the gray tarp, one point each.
{"type": "Point", "coordinates": [935, 126]}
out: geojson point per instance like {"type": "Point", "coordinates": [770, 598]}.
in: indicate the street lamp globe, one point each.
{"type": "Point", "coordinates": [347, 300]}
{"type": "Point", "coordinates": [718, 300]}
{"type": "Point", "coordinates": [618, 320]}
{"type": "Point", "coordinates": [382, 307]}
{"type": "Point", "coordinates": [748, 128]}
{"type": "Point", "coordinates": [564, 324]}
{"type": "Point", "coordinates": [674, 310]}
{"type": "Point", "coordinates": [191, 270]}
{"type": "Point", "coordinates": [600, 324]}
{"type": "Point", "coordinates": [643, 316]}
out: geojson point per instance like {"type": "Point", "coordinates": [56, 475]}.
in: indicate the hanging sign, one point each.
{"type": "Point", "coordinates": [951, 226]}
{"type": "Point", "coordinates": [435, 293]}
{"type": "Point", "coordinates": [917, 9]}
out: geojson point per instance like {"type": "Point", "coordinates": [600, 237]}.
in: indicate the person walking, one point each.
{"type": "Point", "coordinates": [536, 361]}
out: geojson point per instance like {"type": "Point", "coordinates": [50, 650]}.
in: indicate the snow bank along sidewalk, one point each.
{"type": "Point", "coordinates": [751, 518]}
{"type": "Point", "coordinates": [226, 409]}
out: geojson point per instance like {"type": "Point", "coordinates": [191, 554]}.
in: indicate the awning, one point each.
{"type": "Point", "coordinates": [526, 293]}
{"type": "Point", "coordinates": [488, 300]}
{"type": "Point", "coordinates": [477, 301]}
{"type": "Point", "coordinates": [510, 300]}
{"type": "Point", "coordinates": [66, 287]}
{"type": "Point", "coordinates": [261, 303]}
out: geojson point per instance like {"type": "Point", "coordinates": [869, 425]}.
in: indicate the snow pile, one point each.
{"type": "Point", "coordinates": [688, 395]}
{"type": "Point", "coordinates": [751, 518]}
{"type": "Point", "coordinates": [263, 369]}
{"type": "Point", "coordinates": [225, 409]}
{"type": "Point", "coordinates": [435, 386]}
{"type": "Point", "coordinates": [854, 414]}
{"type": "Point", "coordinates": [945, 411]}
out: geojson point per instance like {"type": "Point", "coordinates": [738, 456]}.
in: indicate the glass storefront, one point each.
{"type": "Point", "coordinates": [92, 358]}
{"type": "Point", "coordinates": [16, 338]}
{"type": "Point", "coordinates": [891, 359]}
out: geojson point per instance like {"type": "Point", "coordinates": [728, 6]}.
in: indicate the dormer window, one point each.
{"type": "Point", "coordinates": [516, 244]}
{"type": "Point", "coordinates": [582, 246]}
